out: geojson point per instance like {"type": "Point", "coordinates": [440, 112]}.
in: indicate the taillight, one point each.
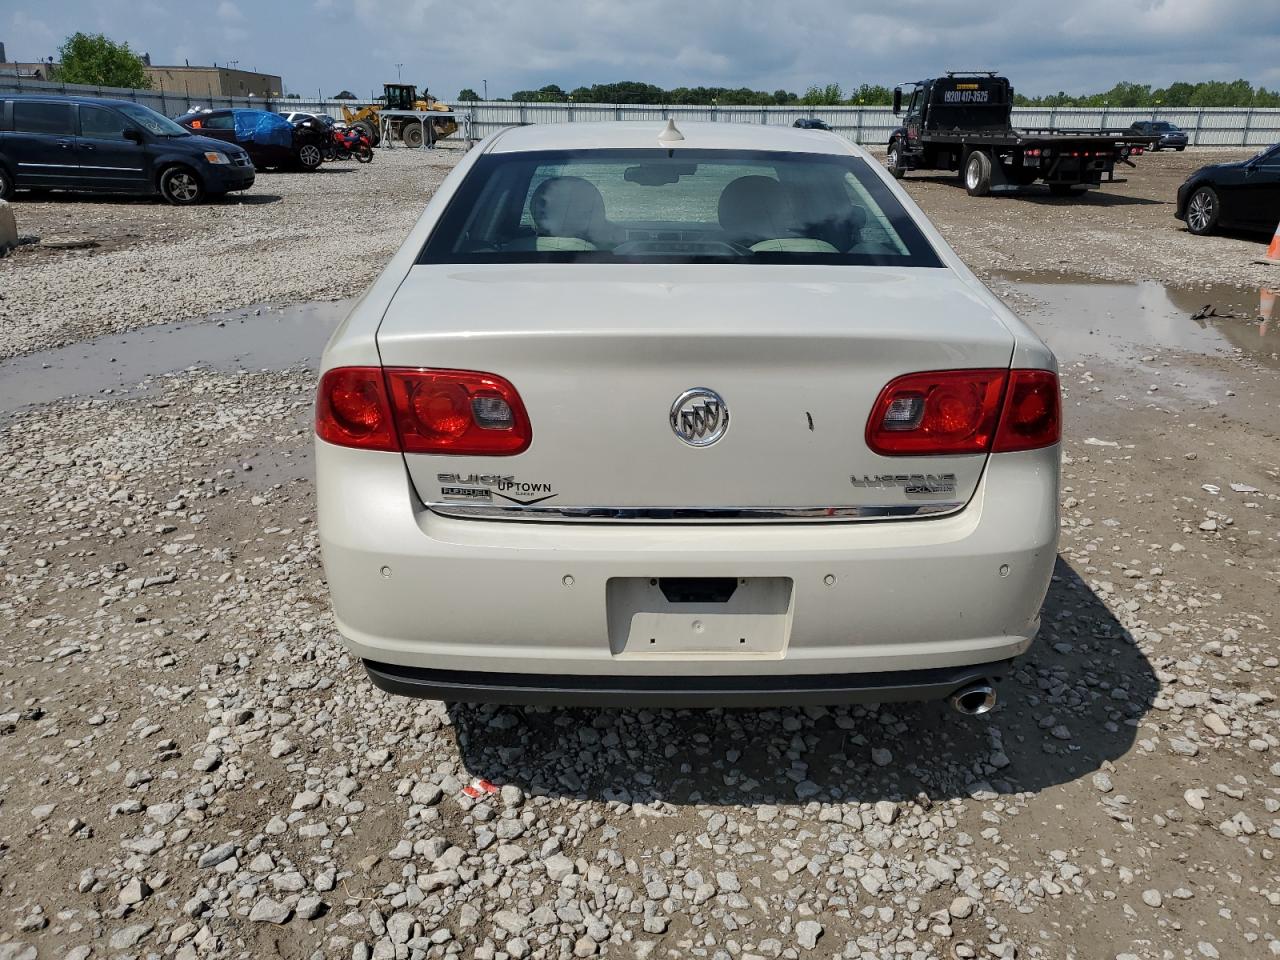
{"type": "Point", "coordinates": [949, 411]}
{"type": "Point", "coordinates": [352, 409]}
{"type": "Point", "coordinates": [459, 412]}
{"type": "Point", "coordinates": [952, 412]}
{"type": "Point", "coordinates": [1032, 415]}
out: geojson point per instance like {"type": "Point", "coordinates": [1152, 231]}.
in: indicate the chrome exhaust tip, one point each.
{"type": "Point", "coordinates": [975, 699]}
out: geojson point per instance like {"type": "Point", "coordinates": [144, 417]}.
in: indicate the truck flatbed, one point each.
{"type": "Point", "coordinates": [961, 122]}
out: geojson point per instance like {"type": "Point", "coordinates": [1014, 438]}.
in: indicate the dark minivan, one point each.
{"type": "Point", "coordinates": [111, 146]}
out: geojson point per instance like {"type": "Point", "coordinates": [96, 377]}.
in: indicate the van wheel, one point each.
{"type": "Point", "coordinates": [895, 160]}
{"type": "Point", "coordinates": [977, 174]}
{"type": "Point", "coordinates": [6, 185]}
{"type": "Point", "coordinates": [181, 187]}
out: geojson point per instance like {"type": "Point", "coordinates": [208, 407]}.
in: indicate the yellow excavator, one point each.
{"type": "Point", "coordinates": [400, 96]}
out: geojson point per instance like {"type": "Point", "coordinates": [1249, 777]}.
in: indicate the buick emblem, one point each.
{"type": "Point", "coordinates": [699, 417]}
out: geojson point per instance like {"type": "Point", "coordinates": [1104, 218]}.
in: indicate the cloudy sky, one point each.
{"type": "Point", "coordinates": [1043, 45]}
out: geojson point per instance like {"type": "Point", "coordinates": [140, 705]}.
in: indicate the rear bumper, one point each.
{"type": "Point", "coordinates": [451, 598]}
{"type": "Point", "coordinates": [669, 692]}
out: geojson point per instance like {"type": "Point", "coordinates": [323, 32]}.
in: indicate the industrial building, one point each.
{"type": "Point", "coordinates": [214, 81]}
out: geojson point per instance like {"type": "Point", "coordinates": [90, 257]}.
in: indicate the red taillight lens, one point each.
{"type": "Point", "coordinates": [421, 411]}
{"type": "Point", "coordinates": [953, 412]}
{"type": "Point", "coordinates": [944, 412]}
{"type": "Point", "coordinates": [458, 412]}
{"type": "Point", "coordinates": [1032, 416]}
{"type": "Point", "coordinates": [352, 409]}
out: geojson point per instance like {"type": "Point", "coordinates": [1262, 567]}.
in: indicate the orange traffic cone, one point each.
{"type": "Point", "coordinates": [1273, 250]}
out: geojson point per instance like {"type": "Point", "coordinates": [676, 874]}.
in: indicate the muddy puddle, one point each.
{"type": "Point", "coordinates": [1115, 322]}
{"type": "Point", "coordinates": [1123, 321]}
{"type": "Point", "coordinates": [253, 338]}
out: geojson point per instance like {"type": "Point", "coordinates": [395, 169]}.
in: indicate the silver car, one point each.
{"type": "Point", "coordinates": [696, 416]}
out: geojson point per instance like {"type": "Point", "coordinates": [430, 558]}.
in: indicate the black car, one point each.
{"type": "Point", "coordinates": [1244, 195]}
{"type": "Point", "coordinates": [1170, 134]}
{"type": "Point", "coordinates": [272, 141]}
{"type": "Point", "coordinates": [110, 146]}
{"type": "Point", "coordinates": [811, 123]}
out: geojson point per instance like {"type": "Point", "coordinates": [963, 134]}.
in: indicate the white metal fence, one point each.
{"type": "Point", "coordinates": [1209, 126]}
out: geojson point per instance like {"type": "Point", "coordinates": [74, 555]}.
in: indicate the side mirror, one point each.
{"type": "Point", "coordinates": [897, 100]}
{"type": "Point", "coordinates": [134, 135]}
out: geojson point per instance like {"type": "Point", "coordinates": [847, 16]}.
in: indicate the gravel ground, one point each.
{"type": "Point", "coordinates": [191, 766]}
{"type": "Point", "coordinates": [291, 237]}
{"type": "Point", "coordinates": [1122, 231]}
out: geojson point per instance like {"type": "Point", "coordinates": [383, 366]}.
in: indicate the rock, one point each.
{"type": "Point", "coordinates": [306, 800]}
{"type": "Point", "coordinates": [400, 927]}
{"type": "Point", "coordinates": [292, 882]}
{"type": "Point", "coordinates": [1217, 724]}
{"type": "Point", "coordinates": [267, 910]}
{"type": "Point", "coordinates": [127, 937]}
{"type": "Point", "coordinates": [215, 856]}
{"type": "Point", "coordinates": [402, 851]}
{"type": "Point", "coordinates": [309, 908]}
{"type": "Point", "coordinates": [961, 908]}
{"type": "Point", "coordinates": [881, 757]}
{"type": "Point", "coordinates": [585, 947]}
{"type": "Point", "coordinates": [1152, 898]}
{"type": "Point", "coordinates": [135, 891]}
{"type": "Point", "coordinates": [426, 794]}
{"type": "Point", "coordinates": [807, 933]}
{"type": "Point", "coordinates": [558, 867]}
{"type": "Point", "coordinates": [512, 922]}
{"type": "Point", "coordinates": [886, 811]}
{"type": "Point", "coordinates": [509, 853]}
{"type": "Point", "coordinates": [18, 951]}
{"type": "Point", "coordinates": [164, 813]}
{"type": "Point", "coordinates": [8, 228]}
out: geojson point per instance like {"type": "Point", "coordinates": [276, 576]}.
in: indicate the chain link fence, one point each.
{"type": "Point", "coordinates": [1207, 126]}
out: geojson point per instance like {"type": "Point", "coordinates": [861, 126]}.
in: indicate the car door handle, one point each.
{"type": "Point", "coordinates": [87, 146]}
{"type": "Point", "coordinates": [65, 144]}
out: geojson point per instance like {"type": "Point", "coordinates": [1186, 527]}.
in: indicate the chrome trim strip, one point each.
{"type": "Point", "coordinates": [60, 166]}
{"type": "Point", "coordinates": [90, 166]}
{"type": "Point", "coordinates": [493, 511]}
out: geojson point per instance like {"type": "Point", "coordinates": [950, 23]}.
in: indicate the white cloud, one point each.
{"type": "Point", "coordinates": [1043, 45]}
{"type": "Point", "coordinates": [29, 38]}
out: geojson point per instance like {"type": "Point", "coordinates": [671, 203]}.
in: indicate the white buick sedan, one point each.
{"type": "Point", "coordinates": [697, 416]}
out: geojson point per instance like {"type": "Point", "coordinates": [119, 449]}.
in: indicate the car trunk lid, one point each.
{"type": "Point", "coordinates": [600, 354]}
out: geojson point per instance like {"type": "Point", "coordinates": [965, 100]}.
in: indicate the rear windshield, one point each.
{"type": "Point", "coordinates": [675, 206]}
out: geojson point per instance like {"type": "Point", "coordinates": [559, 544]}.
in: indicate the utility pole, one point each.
{"type": "Point", "coordinates": [398, 66]}
{"type": "Point", "coordinates": [486, 89]}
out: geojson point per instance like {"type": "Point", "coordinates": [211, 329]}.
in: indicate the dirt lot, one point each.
{"type": "Point", "coordinates": [1124, 231]}
{"type": "Point", "coordinates": [191, 765]}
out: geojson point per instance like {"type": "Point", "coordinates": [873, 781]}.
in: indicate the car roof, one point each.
{"type": "Point", "coordinates": [67, 98]}
{"type": "Point", "coordinates": [641, 134]}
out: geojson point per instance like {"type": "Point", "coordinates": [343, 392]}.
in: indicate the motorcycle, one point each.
{"type": "Point", "coordinates": [345, 144]}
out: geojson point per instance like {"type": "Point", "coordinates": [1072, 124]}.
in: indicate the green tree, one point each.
{"type": "Point", "coordinates": [826, 96]}
{"type": "Point", "coordinates": [93, 58]}
{"type": "Point", "coordinates": [871, 95]}
{"type": "Point", "coordinates": [466, 93]}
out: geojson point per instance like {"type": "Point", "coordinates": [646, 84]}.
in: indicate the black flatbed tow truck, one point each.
{"type": "Point", "coordinates": [963, 122]}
